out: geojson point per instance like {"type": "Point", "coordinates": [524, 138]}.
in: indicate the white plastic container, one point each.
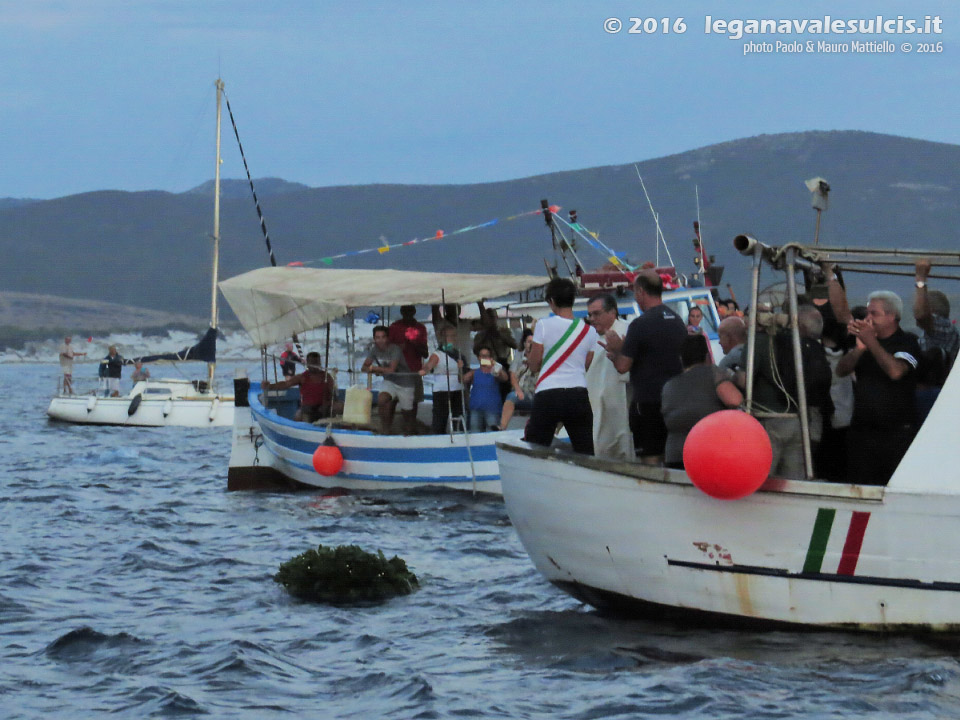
{"type": "Point", "coordinates": [357, 405]}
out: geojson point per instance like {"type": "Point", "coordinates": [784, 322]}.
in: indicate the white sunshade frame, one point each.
{"type": "Point", "coordinates": [274, 303]}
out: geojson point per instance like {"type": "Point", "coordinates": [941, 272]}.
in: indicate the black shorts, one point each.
{"type": "Point", "coordinates": [649, 432]}
{"type": "Point", "coordinates": [569, 406]}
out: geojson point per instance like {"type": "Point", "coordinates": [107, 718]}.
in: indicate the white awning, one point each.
{"type": "Point", "coordinates": [274, 303]}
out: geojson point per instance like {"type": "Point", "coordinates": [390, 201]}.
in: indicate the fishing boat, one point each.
{"type": "Point", "coordinates": [166, 401]}
{"type": "Point", "coordinates": [271, 450]}
{"type": "Point", "coordinates": [647, 542]}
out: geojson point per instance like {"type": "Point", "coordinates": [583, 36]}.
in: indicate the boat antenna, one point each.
{"type": "Point", "coordinates": [656, 219]}
{"type": "Point", "coordinates": [211, 367]}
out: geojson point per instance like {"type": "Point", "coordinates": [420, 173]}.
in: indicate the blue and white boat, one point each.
{"type": "Point", "coordinates": [272, 450]}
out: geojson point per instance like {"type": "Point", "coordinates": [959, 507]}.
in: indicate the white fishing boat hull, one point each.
{"type": "Point", "coordinates": [161, 404]}
{"type": "Point", "coordinates": [270, 451]}
{"type": "Point", "coordinates": [646, 541]}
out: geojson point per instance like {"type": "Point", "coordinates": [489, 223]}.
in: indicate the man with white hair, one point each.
{"type": "Point", "coordinates": [931, 309]}
{"type": "Point", "coordinates": [884, 407]}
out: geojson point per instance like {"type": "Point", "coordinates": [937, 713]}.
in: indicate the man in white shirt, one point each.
{"type": "Point", "coordinates": [67, 354]}
{"type": "Point", "coordinates": [562, 350]}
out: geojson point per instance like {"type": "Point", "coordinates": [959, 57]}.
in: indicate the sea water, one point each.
{"type": "Point", "coordinates": [133, 584]}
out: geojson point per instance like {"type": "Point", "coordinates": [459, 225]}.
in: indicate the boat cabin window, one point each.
{"type": "Point", "coordinates": [157, 391]}
{"type": "Point", "coordinates": [682, 308]}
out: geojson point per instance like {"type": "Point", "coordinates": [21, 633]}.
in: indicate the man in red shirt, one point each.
{"type": "Point", "coordinates": [317, 390]}
{"type": "Point", "coordinates": [411, 337]}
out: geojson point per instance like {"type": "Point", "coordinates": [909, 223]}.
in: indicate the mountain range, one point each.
{"type": "Point", "coordinates": [153, 249]}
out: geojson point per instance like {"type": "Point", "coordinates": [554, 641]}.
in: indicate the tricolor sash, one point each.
{"type": "Point", "coordinates": [561, 350]}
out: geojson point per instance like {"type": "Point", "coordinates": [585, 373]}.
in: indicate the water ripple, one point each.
{"type": "Point", "coordinates": [133, 584]}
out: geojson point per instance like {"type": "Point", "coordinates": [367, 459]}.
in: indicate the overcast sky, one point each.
{"type": "Point", "coordinates": [103, 94]}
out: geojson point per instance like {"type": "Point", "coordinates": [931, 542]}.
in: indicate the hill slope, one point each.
{"type": "Point", "coordinates": [152, 249]}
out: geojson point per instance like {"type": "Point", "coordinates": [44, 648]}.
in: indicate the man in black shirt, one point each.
{"type": "Point", "coordinates": [651, 354]}
{"type": "Point", "coordinates": [884, 405]}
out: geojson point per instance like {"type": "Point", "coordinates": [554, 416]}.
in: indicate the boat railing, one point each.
{"type": "Point", "coordinates": [87, 386]}
{"type": "Point", "coordinates": [80, 386]}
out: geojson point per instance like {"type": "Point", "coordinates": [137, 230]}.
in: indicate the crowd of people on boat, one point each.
{"type": "Point", "coordinates": [868, 382]}
{"type": "Point", "coordinates": [634, 391]}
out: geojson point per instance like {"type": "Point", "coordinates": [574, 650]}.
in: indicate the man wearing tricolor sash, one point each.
{"type": "Point", "coordinates": [562, 350]}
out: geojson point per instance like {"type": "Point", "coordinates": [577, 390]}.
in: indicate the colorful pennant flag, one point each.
{"type": "Point", "coordinates": [438, 235]}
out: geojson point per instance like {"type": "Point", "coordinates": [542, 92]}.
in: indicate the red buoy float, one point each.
{"type": "Point", "coordinates": [727, 454]}
{"type": "Point", "coordinates": [327, 458]}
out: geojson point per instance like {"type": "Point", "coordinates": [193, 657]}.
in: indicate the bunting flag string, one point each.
{"type": "Point", "coordinates": [439, 235]}
{"type": "Point", "coordinates": [593, 240]}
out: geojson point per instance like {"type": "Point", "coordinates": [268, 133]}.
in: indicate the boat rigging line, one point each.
{"type": "Point", "coordinates": [256, 201]}
{"type": "Point", "coordinates": [563, 243]}
{"type": "Point", "coordinates": [594, 242]}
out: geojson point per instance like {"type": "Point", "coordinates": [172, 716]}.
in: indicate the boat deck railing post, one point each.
{"type": "Point", "coordinates": [790, 257]}
{"type": "Point", "coordinates": [263, 375]}
{"type": "Point", "coordinates": [752, 325]}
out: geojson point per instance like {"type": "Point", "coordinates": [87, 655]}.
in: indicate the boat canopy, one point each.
{"type": "Point", "coordinates": [274, 303]}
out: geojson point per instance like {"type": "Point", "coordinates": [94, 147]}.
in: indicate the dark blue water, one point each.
{"type": "Point", "coordinates": [132, 583]}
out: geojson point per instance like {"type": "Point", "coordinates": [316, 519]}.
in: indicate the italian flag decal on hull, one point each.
{"type": "Point", "coordinates": [836, 534]}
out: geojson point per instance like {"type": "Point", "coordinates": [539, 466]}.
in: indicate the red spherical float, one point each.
{"type": "Point", "coordinates": [327, 460]}
{"type": "Point", "coordinates": [727, 454]}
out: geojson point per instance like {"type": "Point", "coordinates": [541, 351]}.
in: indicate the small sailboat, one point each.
{"type": "Point", "coordinates": [164, 402]}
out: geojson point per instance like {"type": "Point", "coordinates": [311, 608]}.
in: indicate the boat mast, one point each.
{"type": "Point", "coordinates": [211, 367]}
